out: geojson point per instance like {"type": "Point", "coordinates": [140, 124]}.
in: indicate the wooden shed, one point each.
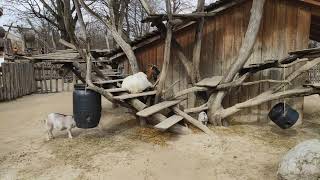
{"type": "Point", "coordinates": [286, 27]}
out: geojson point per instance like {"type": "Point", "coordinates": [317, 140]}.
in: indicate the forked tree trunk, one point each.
{"type": "Point", "coordinates": [127, 49]}
{"type": "Point", "coordinates": [167, 53]}
{"type": "Point", "coordinates": [215, 100]}
{"type": "Point", "coordinates": [197, 44]}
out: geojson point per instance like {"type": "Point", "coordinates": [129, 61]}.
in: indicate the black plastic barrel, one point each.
{"type": "Point", "coordinates": [283, 115]}
{"type": "Point", "coordinates": [86, 107]}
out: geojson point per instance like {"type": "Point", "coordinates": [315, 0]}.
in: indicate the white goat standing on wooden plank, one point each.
{"type": "Point", "coordinates": [59, 122]}
{"type": "Point", "coordinates": [136, 83]}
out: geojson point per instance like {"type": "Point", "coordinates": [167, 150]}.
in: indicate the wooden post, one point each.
{"type": "Point", "coordinates": [24, 78]}
{"type": "Point", "coordinates": [1, 88]}
{"type": "Point", "coordinates": [68, 83]}
{"type": "Point", "coordinates": [16, 78]}
{"type": "Point", "coordinates": [62, 83]}
{"type": "Point", "coordinates": [74, 79]}
{"type": "Point", "coordinates": [19, 80]}
{"type": "Point", "coordinates": [44, 79]}
{"type": "Point", "coordinates": [51, 76]}
{"type": "Point", "coordinates": [13, 83]}
{"type": "Point", "coordinates": [56, 77]}
{"type": "Point", "coordinates": [11, 80]}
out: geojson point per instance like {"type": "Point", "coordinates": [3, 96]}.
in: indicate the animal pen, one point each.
{"type": "Point", "coordinates": [275, 66]}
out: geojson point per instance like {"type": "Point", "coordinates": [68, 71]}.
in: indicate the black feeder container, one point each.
{"type": "Point", "coordinates": [283, 115]}
{"type": "Point", "coordinates": [86, 107]}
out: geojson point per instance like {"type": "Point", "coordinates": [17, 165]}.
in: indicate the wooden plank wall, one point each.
{"type": "Point", "coordinates": [16, 80]}
{"type": "Point", "coordinates": [285, 28]}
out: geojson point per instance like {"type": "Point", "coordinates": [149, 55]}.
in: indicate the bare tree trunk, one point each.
{"type": "Point", "coordinates": [127, 49]}
{"type": "Point", "coordinates": [167, 53]}
{"type": "Point", "coordinates": [197, 44]}
{"type": "Point", "coordinates": [215, 100]}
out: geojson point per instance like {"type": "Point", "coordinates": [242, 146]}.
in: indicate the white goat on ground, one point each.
{"type": "Point", "coordinates": [59, 122]}
{"type": "Point", "coordinates": [203, 118]}
{"type": "Point", "coordinates": [136, 83]}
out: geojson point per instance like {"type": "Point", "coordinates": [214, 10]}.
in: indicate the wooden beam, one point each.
{"type": "Point", "coordinates": [157, 107]}
{"type": "Point", "coordinates": [190, 90]}
{"type": "Point", "coordinates": [167, 123]}
{"type": "Point", "coordinates": [115, 90]}
{"type": "Point", "coordinates": [130, 96]}
{"type": "Point", "coordinates": [193, 121]}
{"type": "Point", "coordinates": [108, 81]}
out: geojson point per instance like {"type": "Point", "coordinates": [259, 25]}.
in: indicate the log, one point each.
{"type": "Point", "coordinates": [108, 81]}
{"type": "Point", "coordinates": [215, 100]}
{"type": "Point", "coordinates": [196, 109]}
{"type": "Point", "coordinates": [193, 121]}
{"type": "Point", "coordinates": [167, 54]}
{"type": "Point", "coordinates": [157, 107]}
{"type": "Point", "coordinates": [197, 44]}
{"type": "Point", "coordinates": [167, 123]}
{"type": "Point", "coordinates": [114, 90]}
{"type": "Point", "coordinates": [190, 90]}
{"type": "Point", "coordinates": [130, 96]}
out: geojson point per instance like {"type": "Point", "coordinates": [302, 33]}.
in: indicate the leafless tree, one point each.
{"type": "Point", "coordinates": [51, 11]}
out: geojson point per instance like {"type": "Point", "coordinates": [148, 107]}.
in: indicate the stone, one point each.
{"type": "Point", "coordinates": [301, 162]}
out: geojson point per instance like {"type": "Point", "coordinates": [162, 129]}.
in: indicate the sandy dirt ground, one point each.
{"type": "Point", "coordinates": [120, 149]}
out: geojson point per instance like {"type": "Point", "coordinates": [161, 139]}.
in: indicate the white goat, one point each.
{"type": "Point", "coordinates": [203, 118]}
{"type": "Point", "coordinates": [59, 122]}
{"type": "Point", "coordinates": [136, 83]}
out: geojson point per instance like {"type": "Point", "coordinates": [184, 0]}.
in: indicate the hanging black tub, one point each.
{"type": "Point", "coordinates": [86, 107]}
{"type": "Point", "coordinates": [283, 115]}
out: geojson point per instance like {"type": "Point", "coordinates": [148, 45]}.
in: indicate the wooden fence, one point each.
{"type": "Point", "coordinates": [314, 74]}
{"type": "Point", "coordinates": [52, 78]}
{"type": "Point", "coordinates": [16, 80]}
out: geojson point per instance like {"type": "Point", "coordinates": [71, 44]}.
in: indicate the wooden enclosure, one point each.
{"type": "Point", "coordinates": [285, 28]}
{"type": "Point", "coordinates": [16, 80]}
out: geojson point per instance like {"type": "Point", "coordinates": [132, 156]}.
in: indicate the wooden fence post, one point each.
{"type": "Point", "coordinates": [62, 83]}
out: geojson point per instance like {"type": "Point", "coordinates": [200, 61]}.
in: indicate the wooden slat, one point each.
{"type": "Point", "coordinates": [116, 90]}
{"type": "Point", "coordinates": [210, 82]}
{"type": "Point", "coordinates": [130, 96]}
{"type": "Point", "coordinates": [51, 76]}
{"type": "Point", "coordinates": [157, 107]}
{"type": "Point", "coordinates": [108, 81]}
{"type": "Point", "coordinates": [167, 123]}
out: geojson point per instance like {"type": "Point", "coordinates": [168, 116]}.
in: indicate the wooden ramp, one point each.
{"type": "Point", "coordinates": [157, 107]}
{"type": "Point", "coordinates": [108, 81]}
{"type": "Point", "coordinates": [130, 96]}
{"type": "Point", "coordinates": [167, 123]}
{"type": "Point", "coordinates": [115, 90]}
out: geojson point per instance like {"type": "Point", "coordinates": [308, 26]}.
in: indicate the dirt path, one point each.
{"type": "Point", "coordinates": [119, 149]}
